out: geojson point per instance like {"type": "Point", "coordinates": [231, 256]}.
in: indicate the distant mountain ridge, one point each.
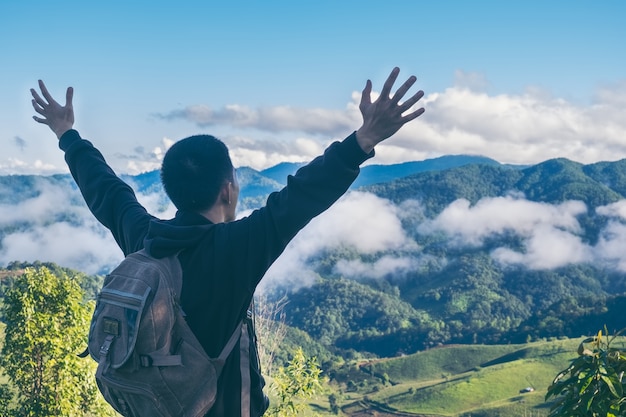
{"type": "Point", "coordinates": [254, 184]}
{"type": "Point", "coordinates": [554, 181]}
{"type": "Point", "coordinates": [375, 174]}
{"type": "Point", "coordinates": [372, 174]}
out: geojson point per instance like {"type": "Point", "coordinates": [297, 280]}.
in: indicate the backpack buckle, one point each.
{"type": "Point", "coordinates": [106, 345]}
{"type": "Point", "coordinates": [145, 361]}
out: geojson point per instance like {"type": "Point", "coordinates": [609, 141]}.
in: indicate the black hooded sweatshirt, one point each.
{"type": "Point", "coordinates": [222, 263]}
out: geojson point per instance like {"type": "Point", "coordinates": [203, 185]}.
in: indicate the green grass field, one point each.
{"type": "Point", "coordinates": [471, 380]}
{"type": "Point", "coordinates": [455, 381]}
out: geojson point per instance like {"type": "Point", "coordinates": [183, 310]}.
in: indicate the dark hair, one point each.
{"type": "Point", "coordinates": [193, 171]}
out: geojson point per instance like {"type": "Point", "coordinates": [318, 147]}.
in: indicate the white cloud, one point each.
{"type": "Point", "coordinates": [78, 247]}
{"type": "Point", "coordinates": [385, 266]}
{"type": "Point", "coordinates": [48, 203]}
{"type": "Point", "coordinates": [157, 205]}
{"type": "Point", "coordinates": [527, 128]}
{"type": "Point", "coordinates": [263, 153]}
{"type": "Point", "coordinates": [474, 81]}
{"type": "Point", "coordinates": [617, 209]}
{"type": "Point", "coordinates": [53, 226]}
{"type": "Point", "coordinates": [271, 119]}
{"type": "Point", "coordinates": [140, 160]}
{"type": "Point", "coordinates": [471, 225]}
{"type": "Point", "coordinates": [612, 240]}
{"type": "Point", "coordinates": [613, 96]}
{"type": "Point", "coordinates": [56, 226]}
{"type": "Point", "coordinates": [546, 248]}
{"type": "Point", "coordinates": [16, 166]}
{"type": "Point", "coordinates": [550, 233]}
{"type": "Point", "coordinates": [361, 221]}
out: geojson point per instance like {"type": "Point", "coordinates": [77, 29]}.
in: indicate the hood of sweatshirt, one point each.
{"type": "Point", "coordinates": [185, 230]}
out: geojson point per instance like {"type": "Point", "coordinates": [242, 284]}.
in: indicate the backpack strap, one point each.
{"type": "Point", "coordinates": [220, 360]}
{"type": "Point", "coordinates": [103, 363]}
{"type": "Point", "coordinates": [244, 367]}
{"type": "Point", "coordinates": [160, 360]}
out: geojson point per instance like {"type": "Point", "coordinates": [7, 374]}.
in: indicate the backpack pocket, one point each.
{"type": "Point", "coordinates": [115, 322]}
{"type": "Point", "coordinates": [131, 400]}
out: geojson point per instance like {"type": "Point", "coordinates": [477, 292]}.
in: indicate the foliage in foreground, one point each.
{"type": "Point", "coordinates": [46, 323]}
{"type": "Point", "coordinates": [300, 380]}
{"type": "Point", "coordinates": [593, 384]}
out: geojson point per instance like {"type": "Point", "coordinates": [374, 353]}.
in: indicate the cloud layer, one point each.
{"type": "Point", "coordinates": [54, 225]}
{"type": "Point", "coordinates": [524, 129]}
{"type": "Point", "coordinates": [550, 235]}
{"type": "Point", "coordinates": [270, 119]}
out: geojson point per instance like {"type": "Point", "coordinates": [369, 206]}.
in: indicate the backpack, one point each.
{"type": "Point", "coordinates": [150, 364]}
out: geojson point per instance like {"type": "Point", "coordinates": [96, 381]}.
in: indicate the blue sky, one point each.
{"type": "Point", "coordinates": [520, 82]}
{"type": "Point", "coordinates": [517, 81]}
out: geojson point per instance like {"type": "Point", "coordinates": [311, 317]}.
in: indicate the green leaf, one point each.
{"type": "Point", "coordinates": [609, 384]}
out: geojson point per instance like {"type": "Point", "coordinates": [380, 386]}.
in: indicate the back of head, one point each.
{"type": "Point", "coordinates": [193, 171]}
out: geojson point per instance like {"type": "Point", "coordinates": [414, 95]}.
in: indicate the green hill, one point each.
{"type": "Point", "coordinates": [437, 189]}
{"type": "Point", "coordinates": [458, 381]}
{"type": "Point", "coordinates": [552, 181]}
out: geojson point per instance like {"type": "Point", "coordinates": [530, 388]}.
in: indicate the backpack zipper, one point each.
{"type": "Point", "coordinates": [133, 389]}
{"type": "Point", "coordinates": [124, 299]}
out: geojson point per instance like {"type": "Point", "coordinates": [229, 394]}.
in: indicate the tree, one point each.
{"type": "Point", "coordinates": [46, 326]}
{"type": "Point", "coordinates": [299, 380]}
{"type": "Point", "coordinates": [593, 384]}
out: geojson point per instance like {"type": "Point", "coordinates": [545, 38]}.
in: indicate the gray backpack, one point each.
{"type": "Point", "coordinates": [150, 364]}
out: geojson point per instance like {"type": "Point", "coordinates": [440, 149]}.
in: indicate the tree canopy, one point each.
{"type": "Point", "coordinates": [47, 322]}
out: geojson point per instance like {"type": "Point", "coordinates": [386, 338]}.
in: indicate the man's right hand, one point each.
{"type": "Point", "coordinates": [59, 118]}
{"type": "Point", "coordinates": [383, 117]}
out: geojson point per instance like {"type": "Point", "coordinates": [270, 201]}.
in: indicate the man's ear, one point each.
{"type": "Point", "coordinates": [226, 193]}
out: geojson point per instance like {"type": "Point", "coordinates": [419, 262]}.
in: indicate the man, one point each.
{"type": "Point", "coordinates": [222, 259]}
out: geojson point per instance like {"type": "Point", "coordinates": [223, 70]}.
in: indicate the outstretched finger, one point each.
{"type": "Point", "coordinates": [69, 94]}
{"type": "Point", "coordinates": [38, 108]}
{"type": "Point", "coordinates": [389, 83]}
{"type": "Point", "coordinates": [40, 120]}
{"type": "Point", "coordinates": [403, 89]}
{"type": "Point", "coordinates": [366, 98]}
{"type": "Point", "coordinates": [411, 101]}
{"type": "Point", "coordinates": [45, 93]}
{"type": "Point", "coordinates": [414, 115]}
{"type": "Point", "coordinates": [37, 99]}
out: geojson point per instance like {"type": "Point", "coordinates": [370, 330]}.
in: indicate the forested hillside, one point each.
{"type": "Point", "coordinates": [463, 288]}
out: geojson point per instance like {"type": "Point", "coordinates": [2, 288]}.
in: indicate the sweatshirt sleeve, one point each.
{"type": "Point", "coordinates": [111, 200]}
{"type": "Point", "coordinates": [262, 237]}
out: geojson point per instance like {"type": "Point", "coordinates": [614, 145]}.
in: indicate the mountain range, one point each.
{"type": "Point", "coordinates": [457, 249]}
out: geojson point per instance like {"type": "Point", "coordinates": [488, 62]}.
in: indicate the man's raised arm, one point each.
{"type": "Point", "coordinates": [110, 200]}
